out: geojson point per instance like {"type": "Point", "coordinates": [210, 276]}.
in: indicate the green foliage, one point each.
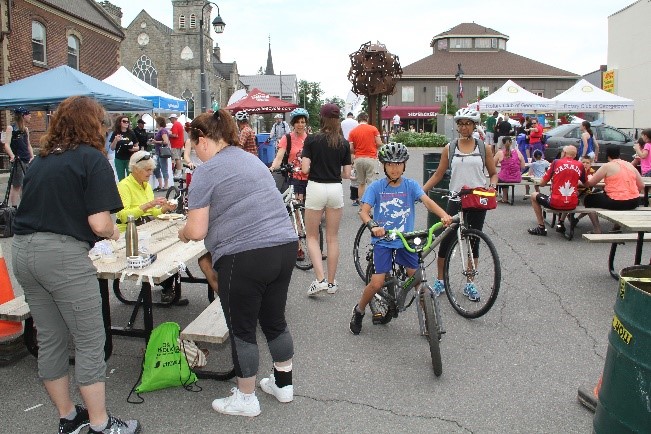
{"type": "Point", "coordinates": [420, 140]}
{"type": "Point", "coordinates": [450, 105]}
{"type": "Point", "coordinates": [309, 97]}
{"type": "Point", "coordinates": [336, 100]}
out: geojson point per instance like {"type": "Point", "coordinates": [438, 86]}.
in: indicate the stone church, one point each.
{"type": "Point", "coordinates": [169, 59]}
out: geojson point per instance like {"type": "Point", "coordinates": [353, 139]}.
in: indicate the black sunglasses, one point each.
{"type": "Point", "coordinates": [147, 156]}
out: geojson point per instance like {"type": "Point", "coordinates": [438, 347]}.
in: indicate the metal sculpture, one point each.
{"type": "Point", "coordinates": [374, 72]}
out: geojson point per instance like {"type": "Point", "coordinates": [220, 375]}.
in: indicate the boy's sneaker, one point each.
{"type": "Point", "coordinates": [471, 292]}
{"type": "Point", "coordinates": [537, 231]}
{"type": "Point", "coordinates": [118, 426]}
{"type": "Point", "coordinates": [237, 404]}
{"type": "Point", "coordinates": [332, 287]}
{"type": "Point", "coordinates": [282, 394]}
{"type": "Point", "coordinates": [439, 287]}
{"type": "Point", "coordinates": [356, 321]}
{"type": "Point", "coordinates": [75, 425]}
{"type": "Point", "coordinates": [316, 287]}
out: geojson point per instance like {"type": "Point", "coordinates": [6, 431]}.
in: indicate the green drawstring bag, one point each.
{"type": "Point", "coordinates": [164, 364]}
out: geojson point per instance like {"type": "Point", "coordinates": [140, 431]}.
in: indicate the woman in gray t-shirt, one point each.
{"type": "Point", "coordinates": [235, 207]}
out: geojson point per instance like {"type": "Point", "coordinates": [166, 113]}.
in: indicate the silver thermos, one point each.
{"type": "Point", "coordinates": [131, 237]}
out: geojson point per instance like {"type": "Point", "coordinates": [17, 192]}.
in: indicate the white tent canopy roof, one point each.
{"type": "Point", "coordinates": [513, 98]}
{"type": "Point", "coordinates": [586, 97]}
{"type": "Point", "coordinates": [163, 102]}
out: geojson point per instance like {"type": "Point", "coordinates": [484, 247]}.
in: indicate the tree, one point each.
{"type": "Point", "coordinates": [336, 100]}
{"type": "Point", "coordinates": [309, 97]}
{"type": "Point", "coordinates": [448, 107]}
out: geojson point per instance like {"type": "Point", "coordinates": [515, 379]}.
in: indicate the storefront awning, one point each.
{"type": "Point", "coordinates": [410, 112]}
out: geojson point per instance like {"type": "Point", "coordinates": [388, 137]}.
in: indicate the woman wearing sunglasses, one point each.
{"type": "Point", "coordinates": [136, 193]}
{"type": "Point", "coordinates": [124, 142]}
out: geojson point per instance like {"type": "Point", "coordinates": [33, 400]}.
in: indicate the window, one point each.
{"type": "Point", "coordinates": [574, 133]}
{"type": "Point", "coordinates": [144, 70]}
{"type": "Point", "coordinates": [442, 44]}
{"type": "Point", "coordinates": [485, 43]}
{"type": "Point", "coordinates": [538, 92]}
{"type": "Point", "coordinates": [181, 21]}
{"type": "Point", "coordinates": [610, 135]}
{"type": "Point", "coordinates": [440, 93]}
{"type": "Point", "coordinates": [461, 42]}
{"type": "Point", "coordinates": [501, 44]}
{"type": "Point", "coordinates": [407, 93]}
{"type": "Point", "coordinates": [483, 90]}
{"type": "Point", "coordinates": [73, 52]}
{"type": "Point", "coordinates": [193, 21]}
{"type": "Point", "coordinates": [189, 99]}
{"type": "Point", "coordinates": [38, 42]}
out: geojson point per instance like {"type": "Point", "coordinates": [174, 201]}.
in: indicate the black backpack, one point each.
{"type": "Point", "coordinates": [478, 144]}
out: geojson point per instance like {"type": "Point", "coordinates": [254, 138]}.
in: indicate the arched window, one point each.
{"type": "Point", "coordinates": [38, 42]}
{"type": "Point", "coordinates": [73, 52]}
{"type": "Point", "coordinates": [144, 70]}
{"type": "Point", "coordinates": [193, 21]}
{"type": "Point", "coordinates": [181, 21]}
{"type": "Point", "coordinates": [189, 98]}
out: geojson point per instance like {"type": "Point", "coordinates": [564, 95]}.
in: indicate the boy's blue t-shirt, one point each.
{"type": "Point", "coordinates": [539, 167]}
{"type": "Point", "coordinates": [393, 207]}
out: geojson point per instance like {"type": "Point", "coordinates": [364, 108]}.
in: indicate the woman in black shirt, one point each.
{"type": "Point", "coordinates": [124, 142]}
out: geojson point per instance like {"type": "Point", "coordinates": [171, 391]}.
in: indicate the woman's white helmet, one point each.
{"type": "Point", "coordinates": [467, 113]}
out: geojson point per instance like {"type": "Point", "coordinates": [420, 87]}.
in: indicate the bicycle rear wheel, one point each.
{"type": "Point", "coordinates": [303, 260]}
{"type": "Point", "coordinates": [362, 250]}
{"type": "Point", "coordinates": [433, 331]}
{"type": "Point", "coordinates": [472, 274]}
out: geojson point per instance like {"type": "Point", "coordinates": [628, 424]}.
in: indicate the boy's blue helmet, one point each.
{"type": "Point", "coordinates": [393, 153]}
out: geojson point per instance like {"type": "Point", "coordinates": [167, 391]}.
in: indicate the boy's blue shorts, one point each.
{"type": "Point", "coordinates": [382, 258]}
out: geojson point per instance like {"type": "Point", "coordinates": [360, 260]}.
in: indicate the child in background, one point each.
{"type": "Point", "coordinates": [354, 193]}
{"type": "Point", "coordinates": [537, 169]}
{"type": "Point", "coordinates": [586, 160]}
{"type": "Point", "coordinates": [643, 152]}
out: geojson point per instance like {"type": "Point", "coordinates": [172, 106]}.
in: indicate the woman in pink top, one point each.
{"type": "Point", "coordinates": [511, 164]}
{"type": "Point", "coordinates": [644, 152]}
{"type": "Point", "coordinates": [623, 185]}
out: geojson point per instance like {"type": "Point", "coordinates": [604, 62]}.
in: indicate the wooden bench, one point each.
{"type": "Point", "coordinates": [511, 187]}
{"type": "Point", "coordinates": [614, 240]}
{"type": "Point", "coordinates": [210, 326]}
{"type": "Point", "coordinates": [569, 234]}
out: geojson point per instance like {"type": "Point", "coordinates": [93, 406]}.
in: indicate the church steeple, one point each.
{"type": "Point", "coordinates": [270, 64]}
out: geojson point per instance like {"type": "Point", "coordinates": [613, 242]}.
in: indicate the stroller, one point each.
{"type": "Point", "coordinates": [8, 212]}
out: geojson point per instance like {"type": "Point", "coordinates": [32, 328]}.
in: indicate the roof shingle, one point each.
{"type": "Point", "coordinates": [89, 11]}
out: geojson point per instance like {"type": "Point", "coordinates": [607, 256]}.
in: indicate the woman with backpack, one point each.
{"type": "Point", "coordinates": [20, 152]}
{"type": "Point", "coordinates": [468, 160]}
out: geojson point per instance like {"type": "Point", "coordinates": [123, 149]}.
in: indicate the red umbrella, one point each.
{"type": "Point", "coordinates": [259, 102]}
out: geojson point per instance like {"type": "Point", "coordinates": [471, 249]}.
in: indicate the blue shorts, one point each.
{"type": "Point", "coordinates": [382, 258]}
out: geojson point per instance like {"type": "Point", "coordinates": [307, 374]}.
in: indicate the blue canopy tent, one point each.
{"type": "Point", "coordinates": [46, 90]}
{"type": "Point", "coordinates": [163, 102]}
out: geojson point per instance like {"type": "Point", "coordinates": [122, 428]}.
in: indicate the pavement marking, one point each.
{"type": "Point", "coordinates": [32, 408]}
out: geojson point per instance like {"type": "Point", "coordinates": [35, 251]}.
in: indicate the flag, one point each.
{"type": "Point", "coordinates": [460, 88]}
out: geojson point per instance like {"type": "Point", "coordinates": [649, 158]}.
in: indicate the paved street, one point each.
{"type": "Point", "coordinates": [516, 369]}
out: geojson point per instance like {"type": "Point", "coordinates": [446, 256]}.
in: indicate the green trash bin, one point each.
{"type": "Point", "coordinates": [430, 164]}
{"type": "Point", "coordinates": [623, 404]}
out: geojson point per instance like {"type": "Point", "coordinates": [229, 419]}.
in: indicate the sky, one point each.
{"type": "Point", "coordinates": [313, 38]}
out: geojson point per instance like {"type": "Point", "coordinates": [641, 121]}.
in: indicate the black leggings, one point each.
{"type": "Point", "coordinates": [601, 200]}
{"type": "Point", "coordinates": [472, 219]}
{"type": "Point", "coordinates": [253, 287]}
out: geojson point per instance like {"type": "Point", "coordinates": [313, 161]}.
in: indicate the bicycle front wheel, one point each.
{"type": "Point", "coordinates": [433, 331]}
{"type": "Point", "coordinates": [472, 274]}
{"type": "Point", "coordinates": [362, 249]}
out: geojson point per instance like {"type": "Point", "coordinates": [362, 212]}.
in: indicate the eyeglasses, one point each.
{"type": "Point", "coordinates": [466, 124]}
{"type": "Point", "coordinates": [189, 127]}
{"type": "Point", "coordinates": [125, 121]}
{"type": "Point", "coordinates": [147, 156]}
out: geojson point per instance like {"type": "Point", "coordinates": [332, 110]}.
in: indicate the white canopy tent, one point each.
{"type": "Point", "coordinates": [586, 97]}
{"type": "Point", "coordinates": [163, 102]}
{"type": "Point", "coordinates": [513, 98]}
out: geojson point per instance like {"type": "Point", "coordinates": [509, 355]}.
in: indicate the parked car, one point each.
{"type": "Point", "coordinates": [570, 134]}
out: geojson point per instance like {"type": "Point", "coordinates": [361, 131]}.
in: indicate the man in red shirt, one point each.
{"type": "Point", "coordinates": [564, 174]}
{"type": "Point", "coordinates": [364, 141]}
{"type": "Point", "coordinates": [176, 143]}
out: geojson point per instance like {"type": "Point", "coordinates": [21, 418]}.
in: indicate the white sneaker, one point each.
{"type": "Point", "coordinates": [316, 287]}
{"type": "Point", "coordinates": [282, 394]}
{"type": "Point", "coordinates": [332, 287]}
{"type": "Point", "coordinates": [237, 404]}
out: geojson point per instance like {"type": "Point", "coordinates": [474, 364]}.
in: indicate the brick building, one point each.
{"type": "Point", "coordinates": [486, 63]}
{"type": "Point", "coordinates": [168, 58]}
{"type": "Point", "coordinates": [38, 35]}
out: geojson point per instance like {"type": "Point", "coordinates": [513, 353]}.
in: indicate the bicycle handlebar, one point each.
{"type": "Point", "coordinates": [407, 237]}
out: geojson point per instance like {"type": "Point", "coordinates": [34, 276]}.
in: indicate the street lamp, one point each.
{"type": "Point", "coordinates": [458, 76]}
{"type": "Point", "coordinates": [218, 24]}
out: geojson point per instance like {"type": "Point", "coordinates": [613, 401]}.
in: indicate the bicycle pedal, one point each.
{"type": "Point", "coordinates": [377, 319]}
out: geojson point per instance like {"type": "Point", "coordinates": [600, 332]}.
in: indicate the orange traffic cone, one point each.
{"type": "Point", "coordinates": [7, 328]}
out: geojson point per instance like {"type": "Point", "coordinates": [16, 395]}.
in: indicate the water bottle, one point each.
{"type": "Point", "coordinates": [131, 237]}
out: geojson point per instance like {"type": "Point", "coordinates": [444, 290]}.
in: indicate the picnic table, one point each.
{"type": "Point", "coordinates": [634, 221]}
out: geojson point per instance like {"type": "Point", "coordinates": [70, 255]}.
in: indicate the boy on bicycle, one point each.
{"type": "Point", "coordinates": [393, 201]}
